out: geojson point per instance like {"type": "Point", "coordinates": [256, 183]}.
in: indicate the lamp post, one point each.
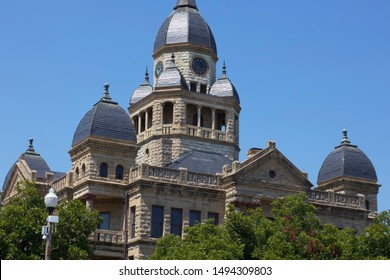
{"type": "Point", "coordinates": [51, 201]}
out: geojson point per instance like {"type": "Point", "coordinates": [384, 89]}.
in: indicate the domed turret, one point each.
{"type": "Point", "coordinates": [142, 91]}
{"type": "Point", "coordinates": [185, 25]}
{"type": "Point", "coordinates": [106, 119]}
{"type": "Point", "coordinates": [223, 87]}
{"type": "Point", "coordinates": [171, 77]}
{"type": "Point", "coordinates": [347, 160]}
{"type": "Point", "coordinates": [35, 163]}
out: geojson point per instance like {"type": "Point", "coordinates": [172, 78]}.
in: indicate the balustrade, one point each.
{"type": "Point", "coordinates": [182, 176]}
{"type": "Point", "coordinates": [339, 199]}
{"type": "Point", "coordinates": [107, 236]}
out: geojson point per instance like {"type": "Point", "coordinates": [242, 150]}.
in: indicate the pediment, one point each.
{"type": "Point", "coordinates": [272, 167]}
{"type": "Point", "coordinates": [19, 172]}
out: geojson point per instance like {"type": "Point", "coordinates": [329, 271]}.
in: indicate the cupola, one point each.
{"type": "Point", "coordinates": [106, 119]}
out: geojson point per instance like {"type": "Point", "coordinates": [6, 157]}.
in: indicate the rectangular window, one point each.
{"type": "Point", "coordinates": [214, 217]}
{"type": "Point", "coordinates": [157, 221]}
{"type": "Point", "coordinates": [193, 86]}
{"type": "Point", "coordinates": [132, 222]}
{"type": "Point", "coordinates": [203, 88]}
{"type": "Point", "coordinates": [194, 217]}
{"type": "Point", "coordinates": [105, 223]}
{"type": "Point", "coordinates": [176, 221]}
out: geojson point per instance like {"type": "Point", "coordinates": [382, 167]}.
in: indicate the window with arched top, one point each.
{"type": "Point", "coordinates": [77, 173]}
{"type": "Point", "coordinates": [119, 172]}
{"type": "Point", "coordinates": [103, 171]}
{"type": "Point", "coordinates": [83, 171]}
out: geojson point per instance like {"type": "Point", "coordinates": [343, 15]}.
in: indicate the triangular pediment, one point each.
{"type": "Point", "coordinates": [273, 168]}
{"type": "Point", "coordinates": [18, 173]}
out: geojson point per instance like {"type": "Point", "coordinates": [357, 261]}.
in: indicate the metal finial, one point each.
{"type": "Point", "coordinates": [30, 146]}
{"type": "Point", "coordinates": [345, 137]}
{"type": "Point", "coordinates": [106, 92]}
{"type": "Point", "coordinates": [147, 74]}
{"type": "Point", "coordinates": [106, 87]}
{"type": "Point", "coordinates": [224, 69]}
{"type": "Point", "coordinates": [146, 82]}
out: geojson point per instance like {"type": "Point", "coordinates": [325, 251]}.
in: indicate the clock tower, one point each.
{"type": "Point", "coordinates": [188, 110]}
{"type": "Point", "coordinates": [187, 34]}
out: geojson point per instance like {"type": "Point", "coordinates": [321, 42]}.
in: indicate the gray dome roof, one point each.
{"type": "Point", "coordinates": [223, 87]}
{"type": "Point", "coordinates": [34, 161]}
{"type": "Point", "coordinates": [185, 25]}
{"type": "Point", "coordinates": [142, 91]}
{"type": "Point", "coordinates": [106, 119]}
{"type": "Point", "coordinates": [171, 77]}
{"type": "Point", "coordinates": [347, 160]}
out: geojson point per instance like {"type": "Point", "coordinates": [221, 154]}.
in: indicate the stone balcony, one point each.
{"type": "Point", "coordinates": [181, 176]}
{"type": "Point", "coordinates": [202, 132]}
{"type": "Point", "coordinates": [337, 199]}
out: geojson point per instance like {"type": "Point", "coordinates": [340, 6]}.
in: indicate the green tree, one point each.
{"type": "Point", "coordinates": [374, 242]}
{"type": "Point", "coordinates": [70, 240]}
{"type": "Point", "coordinates": [21, 221]}
{"type": "Point", "coordinates": [293, 233]}
{"type": "Point", "coordinates": [201, 242]}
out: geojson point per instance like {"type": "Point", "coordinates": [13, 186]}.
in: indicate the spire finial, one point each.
{"type": "Point", "coordinates": [106, 92]}
{"type": "Point", "coordinates": [345, 137]}
{"type": "Point", "coordinates": [186, 3]}
{"type": "Point", "coordinates": [173, 62]}
{"type": "Point", "coordinates": [30, 146]}
{"type": "Point", "coordinates": [146, 76]}
{"type": "Point", "coordinates": [224, 69]}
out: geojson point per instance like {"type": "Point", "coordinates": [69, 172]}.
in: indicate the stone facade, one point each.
{"type": "Point", "coordinates": [179, 165]}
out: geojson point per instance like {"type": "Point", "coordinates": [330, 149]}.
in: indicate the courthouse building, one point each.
{"type": "Point", "coordinates": [172, 160]}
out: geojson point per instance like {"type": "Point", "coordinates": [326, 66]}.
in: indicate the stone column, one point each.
{"type": "Point", "coordinates": [162, 114]}
{"type": "Point", "coordinates": [199, 121]}
{"type": "Point", "coordinates": [213, 123]}
{"type": "Point", "coordinates": [199, 116]}
{"type": "Point", "coordinates": [146, 119]}
{"type": "Point", "coordinates": [139, 124]}
{"type": "Point", "coordinates": [89, 201]}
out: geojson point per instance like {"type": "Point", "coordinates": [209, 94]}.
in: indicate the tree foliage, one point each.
{"type": "Point", "coordinates": [201, 242]}
{"type": "Point", "coordinates": [294, 233]}
{"type": "Point", "coordinates": [21, 221]}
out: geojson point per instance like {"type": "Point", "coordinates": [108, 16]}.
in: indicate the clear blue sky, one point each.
{"type": "Point", "coordinates": [304, 70]}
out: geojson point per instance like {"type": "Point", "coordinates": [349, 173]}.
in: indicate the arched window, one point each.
{"type": "Point", "coordinates": [103, 170]}
{"type": "Point", "coordinates": [119, 172]}
{"type": "Point", "coordinates": [83, 171]}
{"type": "Point", "coordinates": [77, 174]}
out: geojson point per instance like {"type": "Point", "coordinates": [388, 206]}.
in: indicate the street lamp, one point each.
{"type": "Point", "coordinates": [51, 201]}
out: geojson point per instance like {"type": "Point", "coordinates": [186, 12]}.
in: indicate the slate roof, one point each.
{"type": "Point", "coordinates": [106, 119]}
{"type": "Point", "coordinates": [142, 91]}
{"type": "Point", "coordinates": [201, 162]}
{"type": "Point", "coordinates": [171, 77]}
{"type": "Point", "coordinates": [347, 160]}
{"type": "Point", "coordinates": [35, 162]}
{"type": "Point", "coordinates": [185, 25]}
{"type": "Point", "coordinates": [223, 87]}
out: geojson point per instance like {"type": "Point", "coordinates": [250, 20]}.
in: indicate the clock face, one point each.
{"type": "Point", "coordinates": [199, 66]}
{"type": "Point", "coordinates": [159, 69]}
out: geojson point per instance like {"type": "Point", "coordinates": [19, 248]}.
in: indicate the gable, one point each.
{"type": "Point", "coordinates": [272, 168]}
